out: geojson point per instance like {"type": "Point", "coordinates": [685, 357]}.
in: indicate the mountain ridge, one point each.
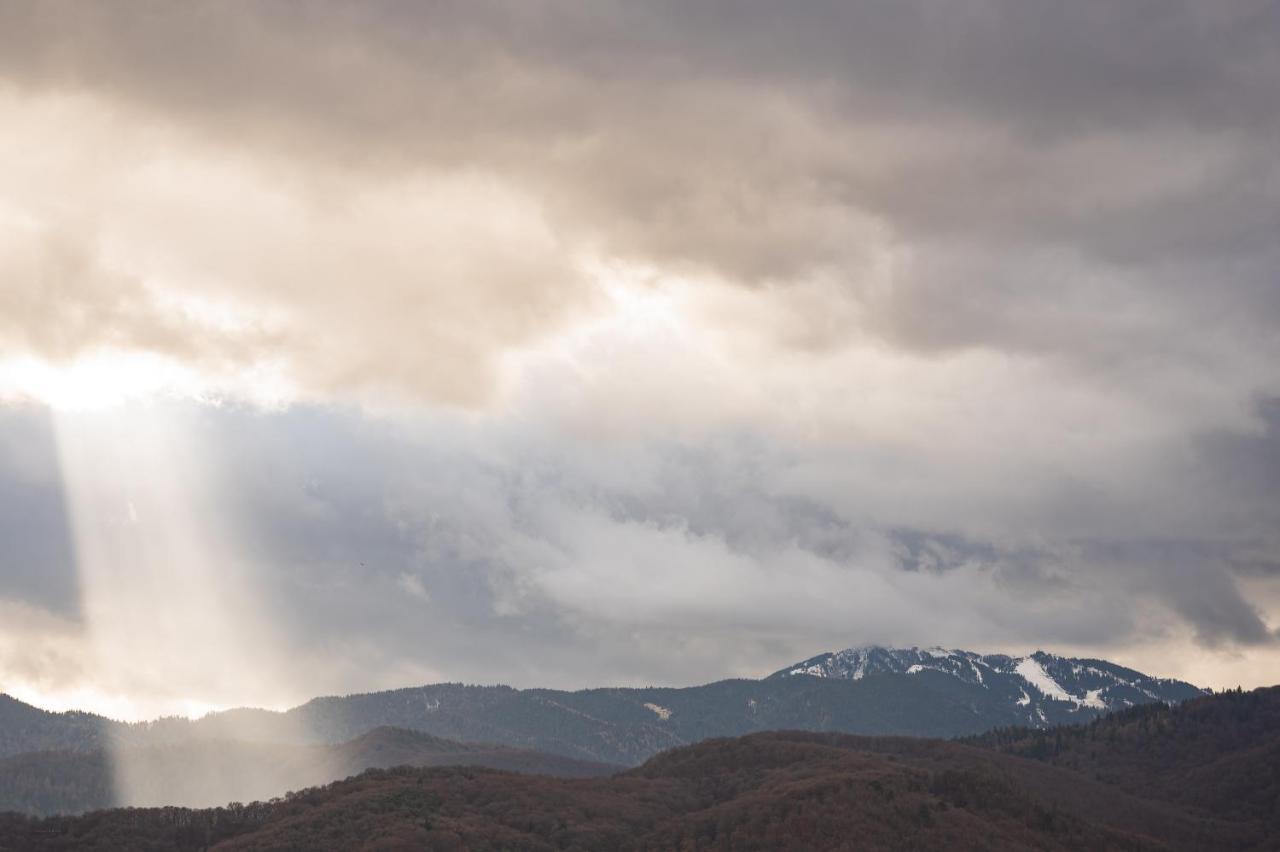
{"type": "Point", "coordinates": [908, 692]}
{"type": "Point", "coordinates": [1042, 679]}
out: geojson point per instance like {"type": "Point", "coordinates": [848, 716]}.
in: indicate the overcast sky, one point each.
{"type": "Point", "coordinates": [349, 346]}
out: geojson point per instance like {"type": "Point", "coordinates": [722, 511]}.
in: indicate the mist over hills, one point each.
{"type": "Point", "coordinates": [209, 772]}
{"type": "Point", "coordinates": [1150, 777]}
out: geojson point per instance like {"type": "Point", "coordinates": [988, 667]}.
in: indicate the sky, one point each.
{"type": "Point", "coordinates": [353, 346]}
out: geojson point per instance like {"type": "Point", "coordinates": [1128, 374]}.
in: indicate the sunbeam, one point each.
{"type": "Point", "coordinates": [167, 599]}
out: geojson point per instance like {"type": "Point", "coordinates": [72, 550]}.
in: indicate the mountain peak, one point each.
{"type": "Point", "coordinates": [1044, 687]}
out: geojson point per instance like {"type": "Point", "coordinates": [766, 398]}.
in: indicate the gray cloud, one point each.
{"type": "Point", "coordinates": [388, 552]}
{"type": "Point", "coordinates": [773, 327]}
{"type": "Point", "coordinates": [1249, 463]}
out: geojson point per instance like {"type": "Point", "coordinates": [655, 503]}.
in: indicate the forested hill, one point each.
{"type": "Point", "coordinates": [780, 790]}
{"type": "Point", "coordinates": [1219, 754]}
{"type": "Point", "coordinates": [24, 728]}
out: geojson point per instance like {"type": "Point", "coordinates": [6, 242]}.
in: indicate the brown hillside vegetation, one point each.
{"type": "Point", "coordinates": [765, 791]}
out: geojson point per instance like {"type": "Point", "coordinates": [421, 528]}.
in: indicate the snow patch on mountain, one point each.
{"type": "Point", "coordinates": [976, 671]}
{"type": "Point", "coordinates": [1033, 673]}
{"type": "Point", "coordinates": [658, 710]}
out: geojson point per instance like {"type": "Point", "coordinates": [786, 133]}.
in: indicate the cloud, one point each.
{"type": "Point", "coordinates": [206, 261]}
{"type": "Point", "coordinates": [1080, 170]}
{"type": "Point", "coordinates": [393, 551]}
{"type": "Point", "coordinates": [740, 328]}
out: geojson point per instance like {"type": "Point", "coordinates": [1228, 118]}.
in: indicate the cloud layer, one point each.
{"type": "Point", "coordinates": [706, 332]}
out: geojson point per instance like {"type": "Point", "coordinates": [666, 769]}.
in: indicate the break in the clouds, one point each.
{"type": "Point", "coordinates": [581, 342]}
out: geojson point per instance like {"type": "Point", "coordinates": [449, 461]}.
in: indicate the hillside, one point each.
{"type": "Point", "coordinates": [1219, 754]}
{"type": "Point", "coordinates": [778, 790]}
{"type": "Point", "coordinates": [768, 791]}
{"type": "Point", "coordinates": [24, 728]}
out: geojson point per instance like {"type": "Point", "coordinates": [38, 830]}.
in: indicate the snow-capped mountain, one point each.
{"type": "Point", "coordinates": [1044, 688]}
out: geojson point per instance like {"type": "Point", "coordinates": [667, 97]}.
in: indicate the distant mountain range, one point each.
{"type": "Point", "coordinates": [1200, 775]}
{"type": "Point", "coordinates": [882, 691]}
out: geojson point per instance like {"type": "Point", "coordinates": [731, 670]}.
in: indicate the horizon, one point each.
{"type": "Point", "coordinates": [352, 345]}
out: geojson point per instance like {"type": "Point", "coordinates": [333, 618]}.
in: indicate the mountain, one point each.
{"type": "Point", "coordinates": [784, 791]}
{"type": "Point", "coordinates": [868, 691]}
{"type": "Point", "coordinates": [877, 691]}
{"type": "Point", "coordinates": [1044, 689]}
{"type": "Point", "coordinates": [203, 773]}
